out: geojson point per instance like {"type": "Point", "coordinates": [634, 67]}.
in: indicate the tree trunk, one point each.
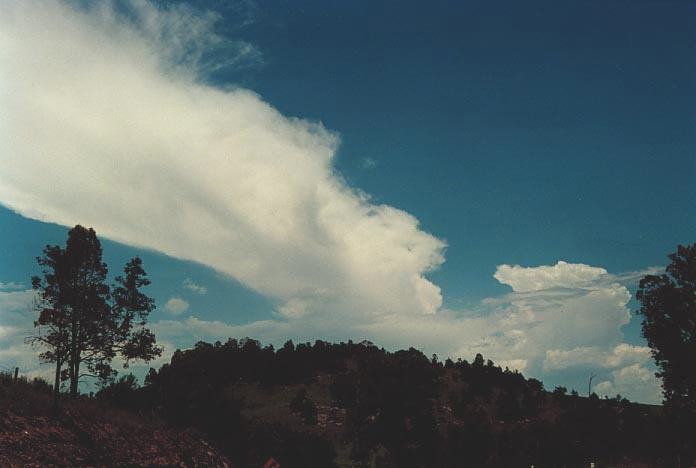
{"type": "Point", "coordinates": [56, 390]}
{"type": "Point", "coordinates": [74, 378]}
{"type": "Point", "coordinates": [74, 364]}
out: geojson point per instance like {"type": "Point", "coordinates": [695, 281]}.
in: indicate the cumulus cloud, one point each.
{"type": "Point", "coordinates": [10, 286]}
{"type": "Point", "coordinates": [196, 288]}
{"type": "Point", "coordinates": [176, 306]}
{"type": "Point", "coordinates": [549, 334]}
{"type": "Point", "coordinates": [16, 323]}
{"type": "Point", "coordinates": [596, 356]}
{"type": "Point", "coordinates": [541, 333]}
{"type": "Point", "coordinates": [635, 381]}
{"type": "Point", "coordinates": [106, 121]}
{"type": "Point", "coordinates": [562, 274]}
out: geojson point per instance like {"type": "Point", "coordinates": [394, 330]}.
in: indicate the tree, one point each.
{"type": "Point", "coordinates": [80, 323]}
{"type": "Point", "coordinates": [668, 308]}
{"type": "Point", "coordinates": [130, 310]}
{"type": "Point", "coordinates": [51, 303]}
{"type": "Point", "coordinates": [90, 321]}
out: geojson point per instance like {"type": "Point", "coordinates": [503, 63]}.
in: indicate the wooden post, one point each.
{"type": "Point", "coordinates": [16, 371]}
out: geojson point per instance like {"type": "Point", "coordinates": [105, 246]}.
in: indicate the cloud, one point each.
{"type": "Point", "coordinates": [549, 334]}
{"type": "Point", "coordinates": [562, 274]}
{"type": "Point", "coordinates": [196, 288]}
{"type": "Point", "coordinates": [106, 120]}
{"type": "Point", "coordinates": [596, 356]}
{"type": "Point", "coordinates": [13, 302]}
{"type": "Point", "coordinates": [635, 381]}
{"type": "Point", "coordinates": [368, 163]}
{"type": "Point", "coordinates": [176, 306]}
{"type": "Point", "coordinates": [17, 316]}
{"type": "Point", "coordinates": [11, 285]}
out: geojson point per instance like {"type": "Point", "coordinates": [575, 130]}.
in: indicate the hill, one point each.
{"type": "Point", "coordinates": [354, 404]}
{"type": "Point", "coordinates": [326, 405]}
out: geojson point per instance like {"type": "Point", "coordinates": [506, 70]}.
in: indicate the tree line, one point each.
{"type": "Point", "coordinates": [402, 409]}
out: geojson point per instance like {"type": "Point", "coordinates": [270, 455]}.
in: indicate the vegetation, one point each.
{"type": "Point", "coordinates": [668, 308]}
{"type": "Point", "coordinates": [89, 433]}
{"type": "Point", "coordinates": [82, 322]}
{"type": "Point", "coordinates": [324, 404]}
{"type": "Point", "coordinates": [351, 404]}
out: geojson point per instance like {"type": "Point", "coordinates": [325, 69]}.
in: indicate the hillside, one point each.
{"type": "Point", "coordinates": [90, 433]}
{"type": "Point", "coordinates": [326, 405]}
{"type": "Point", "coordinates": [351, 404]}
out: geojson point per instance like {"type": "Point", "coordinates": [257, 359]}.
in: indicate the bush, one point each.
{"type": "Point", "coordinates": [304, 406]}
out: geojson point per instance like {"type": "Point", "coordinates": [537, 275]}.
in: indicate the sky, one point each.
{"type": "Point", "coordinates": [465, 177]}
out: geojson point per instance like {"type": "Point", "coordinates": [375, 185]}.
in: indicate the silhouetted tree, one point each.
{"type": "Point", "coordinates": [53, 320]}
{"type": "Point", "coordinates": [121, 392]}
{"type": "Point", "coordinates": [130, 312]}
{"type": "Point", "coordinates": [668, 308]}
{"type": "Point", "coordinates": [78, 323]}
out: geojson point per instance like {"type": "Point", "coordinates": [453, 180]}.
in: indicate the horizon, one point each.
{"type": "Point", "coordinates": [444, 178]}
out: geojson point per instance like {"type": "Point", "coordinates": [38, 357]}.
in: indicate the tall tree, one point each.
{"type": "Point", "coordinates": [668, 307]}
{"type": "Point", "coordinates": [131, 309]}
{"type": "Point", "coordinates": [53, 321]}
{"type": "Point", "coordinates": [80, 322]}
{"type": "Point", "coordinates": [90, 316]}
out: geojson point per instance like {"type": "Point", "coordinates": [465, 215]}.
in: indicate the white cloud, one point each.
{"type": "Point", "coordinates": [560, 275]}
{"type": "Point", "coordinates": [596, 356]}
{"type": "Point", "coordinates": [196, 288]}
{"type": "Point", "coordinates": [542, 333]}
{"type": "Point", "coordinates": [294, 308]}
{"type": "Point", "coordinates": [107, 121]}
{"type": "Point", "coordinates": [635, 381]}
{"type": "Point", "coordinates": [513, 364]}
{"type": "Point", "coordinates": [17, 315]}
{"type": "Point", "coordinates": [13, 302]}
{"type": "Point", "coordinates": [104, 121]}
{"type": "Point", "coordinates": [10, 286]}
{"type": "Point", "coordinates": [176, 306]}
{"type": "Point", "coordinates": [539, 333]}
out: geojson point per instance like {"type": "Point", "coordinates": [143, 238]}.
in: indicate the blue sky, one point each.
{"type": "Point", "coordinates": [349, 170]}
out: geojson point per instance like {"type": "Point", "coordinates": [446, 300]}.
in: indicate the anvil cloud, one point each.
{"type": "Point", "coordinates": [104, 121]}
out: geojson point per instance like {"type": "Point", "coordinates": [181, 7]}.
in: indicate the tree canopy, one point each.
{"type": "Point", "coordinates": [84, 324]}
{"type": "Point", "coordinates": [668, 308]}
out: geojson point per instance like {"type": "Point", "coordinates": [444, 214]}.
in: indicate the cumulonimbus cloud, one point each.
{"type": "Point", "coordinates": [105, 121]}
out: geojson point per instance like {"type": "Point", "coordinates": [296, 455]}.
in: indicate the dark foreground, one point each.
{"type": "Point", "coordinates": [323, 405]}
